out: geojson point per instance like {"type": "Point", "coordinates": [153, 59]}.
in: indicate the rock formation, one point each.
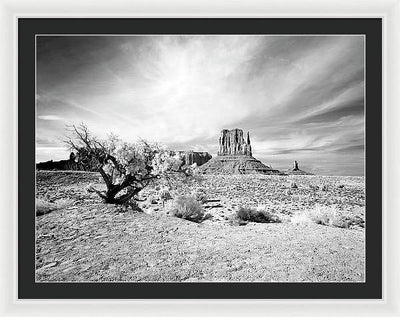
{"type": "Point", "coordinates": [191, 157]}
{"type": "Point", "coordinates": [76, 163]}
{"type": "Point", "coordinates": [231, 142]}
{"type": "Point", "coordinates": [235, 156]}
{"type": "Point", "coordinates": [237, 165]}
{"type": "Point", "coordinates": [62, 165]}
{"type": "Point", "coordinates": [296, 170]}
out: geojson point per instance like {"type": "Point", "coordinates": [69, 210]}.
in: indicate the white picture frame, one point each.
{"type": "Point", "coordinates": [389, 11]}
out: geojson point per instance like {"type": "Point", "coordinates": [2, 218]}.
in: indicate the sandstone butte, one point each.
{"type": "Point", "coordinates": [295, 170]}
{"type": "Point", "coordinates": [235, 156]}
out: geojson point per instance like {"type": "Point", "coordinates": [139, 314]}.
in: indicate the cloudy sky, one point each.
{"type": "Point", "coordinates": [301, 97]}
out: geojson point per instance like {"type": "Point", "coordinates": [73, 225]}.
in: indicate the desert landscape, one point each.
{"type": "Point", "coordinates": [86, 240]}
{"type": "Point", "coordinates": [248, 226]}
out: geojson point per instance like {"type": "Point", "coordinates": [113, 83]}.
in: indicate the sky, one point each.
{"type": "Point", "coordinates": [300, 97]}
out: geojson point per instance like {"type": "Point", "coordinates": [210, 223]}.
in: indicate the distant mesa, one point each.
{"type": "Point", "coordinates": [295, 170]}
{"type": "Point", "coordinates": [76, 163]}
{"type": "Point", "coordinates": [72, 164]}
{"type": "Point", "coordinates": [235, 156]}
{"type": "Point", "coordinates": [192, 157]}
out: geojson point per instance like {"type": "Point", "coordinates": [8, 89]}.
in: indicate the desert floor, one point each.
{"type": "Point", "coordinates": [87, 240]}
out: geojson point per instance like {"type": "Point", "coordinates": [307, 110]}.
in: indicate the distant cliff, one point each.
{"type": "Point", "coordinates": [75, 164]}
{"type": "Point", "coordinates": [63, 165]}
{"type": "Point", "coordinates": [191, 157]}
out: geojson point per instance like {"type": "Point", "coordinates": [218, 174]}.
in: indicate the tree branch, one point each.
{"type": "Point", "coordinates": [126, 197]}
{"type": "Point", "coordinates": [105, 177]}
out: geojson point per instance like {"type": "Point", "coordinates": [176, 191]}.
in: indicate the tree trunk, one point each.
{"type": "Point", "coordinates": [110, 195]}
{"type": "Point", "coordinates": [114, 190]}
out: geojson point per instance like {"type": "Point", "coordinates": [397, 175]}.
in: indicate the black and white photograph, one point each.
{"type": "Point", "coordinates": [200, 158]}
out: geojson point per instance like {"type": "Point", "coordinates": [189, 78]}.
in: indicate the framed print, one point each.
{"type": "Point", "coordinates": [164, 149]}
{"type": "Point", "coordinates": [199, 159]}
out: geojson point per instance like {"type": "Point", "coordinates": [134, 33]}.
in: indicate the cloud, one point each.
{"type": "Point", "coordinates": [50, 117]}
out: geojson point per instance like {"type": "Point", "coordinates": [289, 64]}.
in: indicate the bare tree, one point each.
{"type": "Point", "coordinates": [126, 168]}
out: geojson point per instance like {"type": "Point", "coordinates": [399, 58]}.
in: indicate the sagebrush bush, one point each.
{"type": "Point", "coordinates": [164, 195]}
{"type": "Point", "coordinates": [235, 221]}
{"type": "Point", "coordinates": [323, 215]}
{"type": "Point", "coordinates": [256, 215]}
{"type": "Point", "coordinates": [200, 195]}
{"type": "Point", "coordinates": [187, 207]}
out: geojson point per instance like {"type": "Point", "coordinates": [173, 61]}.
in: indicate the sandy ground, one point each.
{"type": "Point", "coordinates": [87, 240]}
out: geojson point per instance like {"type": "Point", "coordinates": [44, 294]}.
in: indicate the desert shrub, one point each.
{"type": "Point", "coordinates": [235, 221]}
{"type": "Point", "coordinates": [256, 215]}
{"type": "Point", "coordinates": [200, 195]}
{"type": "Point", "coordinates": [44, 206]}
{"type": "Point", "coordinates": [164, 195]}
{"type": "Point", "coordinates": [187, 207]}
{"type": "Point", "coordinates": [323, 215]}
